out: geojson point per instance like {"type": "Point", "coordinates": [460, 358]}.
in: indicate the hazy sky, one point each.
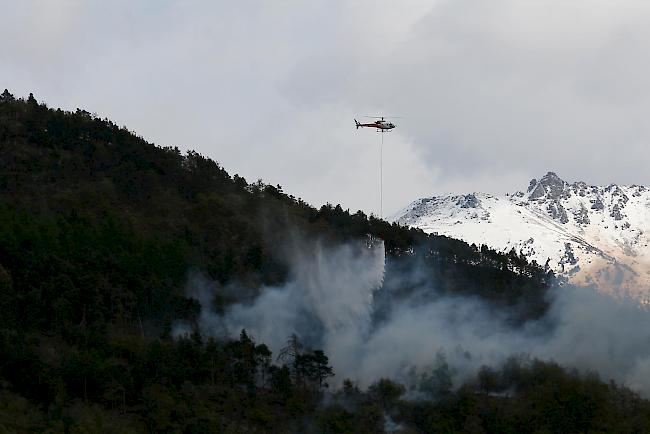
{"type": "Point", "coordinates": [493, 93]}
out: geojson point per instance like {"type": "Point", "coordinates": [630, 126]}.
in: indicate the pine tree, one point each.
{"type": "Point", "coordinates": [321, 370]}
{"type": "Point", "coordinates": [6, 96]}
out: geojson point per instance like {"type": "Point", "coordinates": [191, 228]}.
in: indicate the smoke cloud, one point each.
{"type": "Point", "coordinates": [330, 302]}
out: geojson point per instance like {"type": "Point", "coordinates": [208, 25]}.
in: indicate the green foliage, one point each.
{"type": "Point", "coordinates": [533, 396]}
{"type": "Point", "coordinates": [335, 419]}
{"type": "Point", "coordinates": [311, 367]}
{"type": "Point", "coordinates": [386, 392]}
{"type": "Point", "coordinates": [437, 383]}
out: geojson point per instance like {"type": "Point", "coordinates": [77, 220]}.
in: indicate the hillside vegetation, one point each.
{"type": "Point", "coordinates": [98, 232]}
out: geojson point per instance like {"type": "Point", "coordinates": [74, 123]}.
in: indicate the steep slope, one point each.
{"type": "Point", "coordinates": [101, 235]}
{"type": "Point", "coordinates": [592, 235]}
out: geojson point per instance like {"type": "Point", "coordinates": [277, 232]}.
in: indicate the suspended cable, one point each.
{"type": "Point", "coordinates": [381, 177]}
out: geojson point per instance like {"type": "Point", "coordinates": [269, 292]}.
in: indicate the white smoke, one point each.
{"type": "Point", "coordinates": [328, 303]}
{"type": "Point", "coordinates": [329, 294]}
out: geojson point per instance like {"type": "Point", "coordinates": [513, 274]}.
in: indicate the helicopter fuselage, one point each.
{"type": "Point", "coordinates": [380, 125]}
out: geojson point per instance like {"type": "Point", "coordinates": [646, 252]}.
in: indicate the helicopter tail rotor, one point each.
{"type": "Point", "coordinates": [357, 123]}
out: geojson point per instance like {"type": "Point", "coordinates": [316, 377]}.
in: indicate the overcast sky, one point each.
{"type": "Point", "coordinates": [493, 93]}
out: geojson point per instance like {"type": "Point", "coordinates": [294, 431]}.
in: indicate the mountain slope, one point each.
{"type": "Point", "coordinates": [592, 235]}
{"type": "Point", "coordinates": [100, 232]}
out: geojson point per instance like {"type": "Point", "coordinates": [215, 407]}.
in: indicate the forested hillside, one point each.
{"type": "Point", "coordinates": [98, 232]}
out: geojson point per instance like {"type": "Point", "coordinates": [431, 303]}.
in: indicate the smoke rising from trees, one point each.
{"type": "Point", "coordinates": [330, 303]}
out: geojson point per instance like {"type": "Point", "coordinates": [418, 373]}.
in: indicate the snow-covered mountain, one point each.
{"type": "Point", "coordinates": [591, 235]}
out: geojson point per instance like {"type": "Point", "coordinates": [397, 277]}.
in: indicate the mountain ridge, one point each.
{"type": "Point", "coordinates": [591, 235]}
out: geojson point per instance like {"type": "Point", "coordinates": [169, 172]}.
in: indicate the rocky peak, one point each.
{"type": "Point", "coordinates": [590, 234]}
{"type": "Point", "coordinates": [550, 186]}
{"type": "Point", "coordinates": [468, 201]}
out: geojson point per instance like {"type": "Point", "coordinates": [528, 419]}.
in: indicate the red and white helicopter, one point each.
{"type": "Point", "coordinates": [381, 124]}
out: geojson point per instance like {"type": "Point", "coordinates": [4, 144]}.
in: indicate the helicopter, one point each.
{"type": "Point", "coordinates": [381, 124]}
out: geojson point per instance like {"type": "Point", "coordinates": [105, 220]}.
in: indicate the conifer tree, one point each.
{"type": "Point", "coordinates": [6, 96]}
